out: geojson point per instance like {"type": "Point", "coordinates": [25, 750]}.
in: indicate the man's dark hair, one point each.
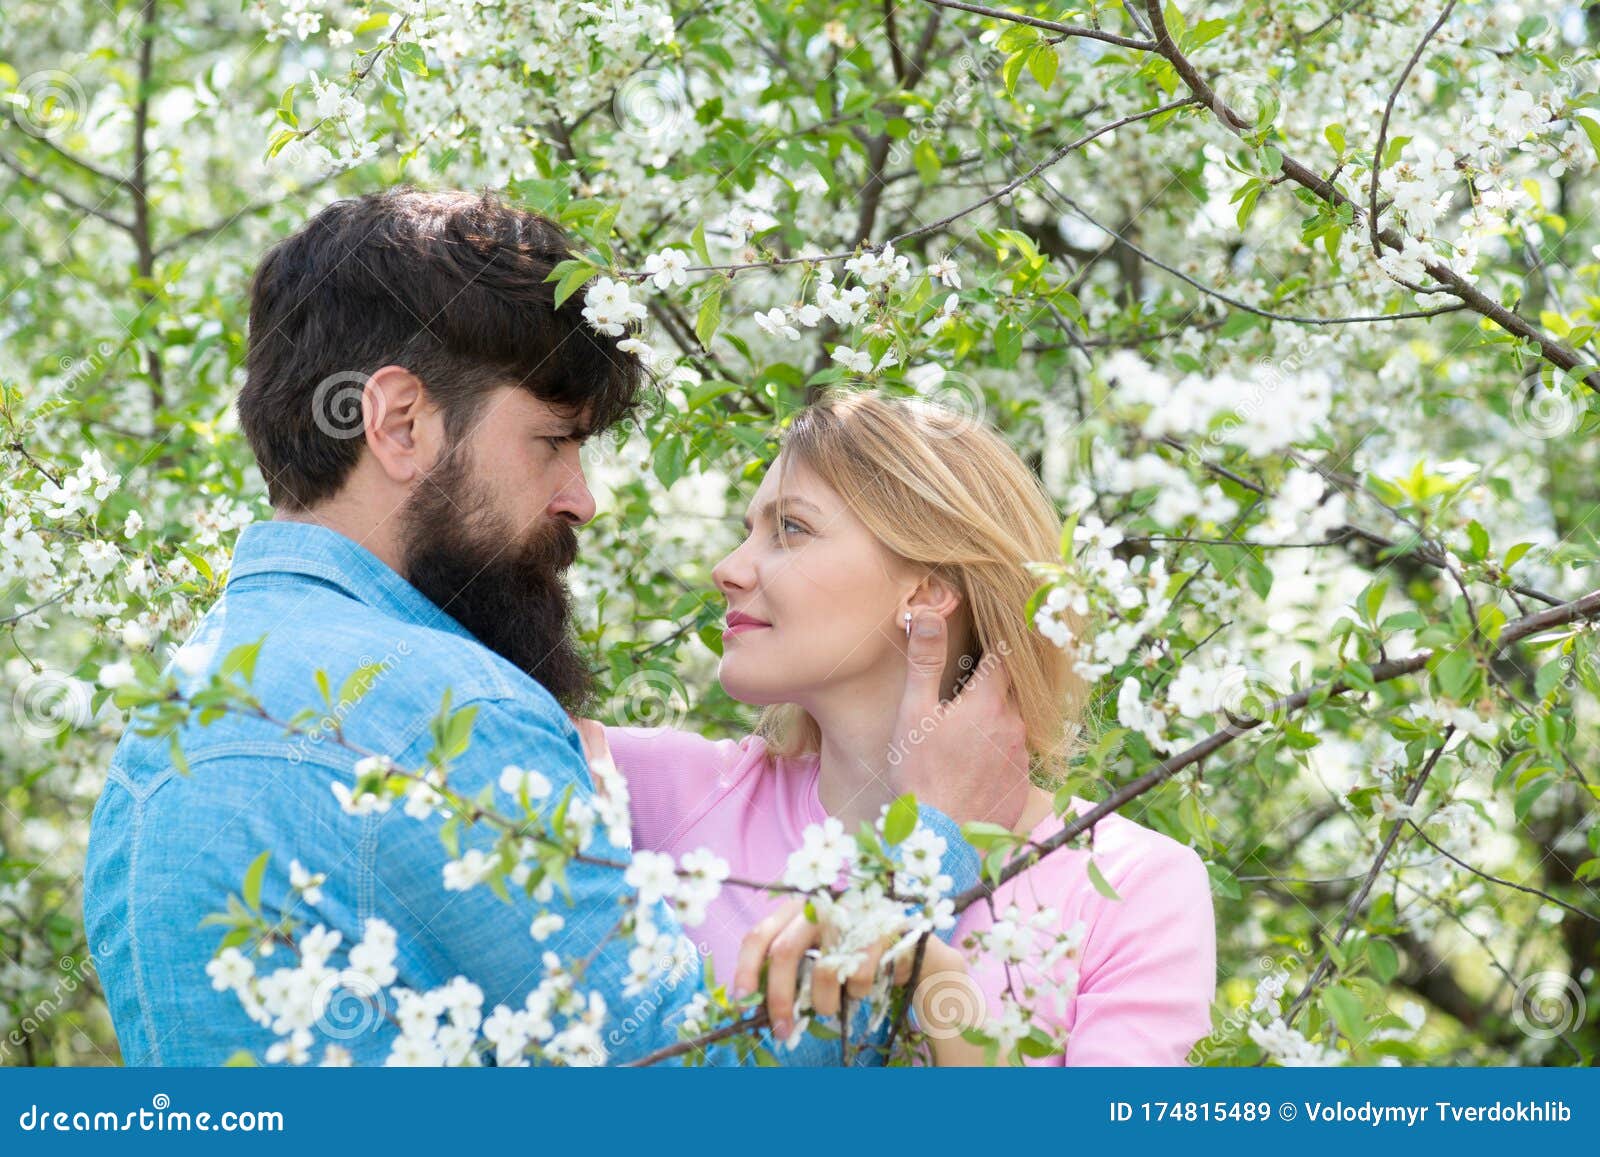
{"type": "Point", "coordinates": [450, 285]}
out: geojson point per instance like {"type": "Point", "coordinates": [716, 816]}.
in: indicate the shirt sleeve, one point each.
{"type": "Point", "coordinates": [1148, 972]}
{"type": "Point", "coordinates": [477, 935]}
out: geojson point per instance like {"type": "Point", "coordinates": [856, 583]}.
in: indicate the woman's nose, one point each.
{"type": "Point", "coordinates": [731, 574]}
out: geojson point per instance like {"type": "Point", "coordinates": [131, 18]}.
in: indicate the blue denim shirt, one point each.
{"type": "Point", "coordinates": [167, 848]}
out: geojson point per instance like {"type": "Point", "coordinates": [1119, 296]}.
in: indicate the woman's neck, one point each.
{"type": "Point", "coordinates": [857, 725]}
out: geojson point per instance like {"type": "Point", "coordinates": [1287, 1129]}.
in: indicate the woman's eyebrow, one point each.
{"type": "Point", "coordinates": [772, 506]}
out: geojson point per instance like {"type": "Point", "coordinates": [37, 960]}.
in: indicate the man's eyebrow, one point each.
{"type": "Point", "coordinates": [791, 501]}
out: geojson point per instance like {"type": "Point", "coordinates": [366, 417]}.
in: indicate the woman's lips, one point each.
{"type": "Point", "coordinates": [739, 624]}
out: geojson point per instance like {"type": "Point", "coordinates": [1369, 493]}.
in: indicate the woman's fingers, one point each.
{"type": "Point", "coordinates": [783, 972]}
{"type": "Point", "coordinates": [753, 948]}
{"type": "Point", "coordinates": [860, 982]}
{"type": "Point", "coordinates": [825, 990]}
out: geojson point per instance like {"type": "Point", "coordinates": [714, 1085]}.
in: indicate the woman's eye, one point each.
{"type": "Point", "coordinates": [555, 443]}
{"type": "Point", "coordinates": [789, 526]}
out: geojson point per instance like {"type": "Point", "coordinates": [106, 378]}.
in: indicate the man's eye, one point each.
{"type": "Point", "coordinates": [556, 443]}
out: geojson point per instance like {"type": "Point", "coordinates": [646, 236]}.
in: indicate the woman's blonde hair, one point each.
{"type": "Point", "coordinates": [944, 492]}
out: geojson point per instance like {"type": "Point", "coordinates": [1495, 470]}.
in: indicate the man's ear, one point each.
{"type": "Point", "coordinates": [935, 594]}
{"type": "Point", "coordinates": [403, 429]}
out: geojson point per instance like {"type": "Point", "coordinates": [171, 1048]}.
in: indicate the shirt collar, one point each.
{"type": "Point", "coordinates": [304, 548]}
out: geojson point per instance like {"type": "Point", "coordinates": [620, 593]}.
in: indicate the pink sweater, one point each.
{"type": "Point", "coordinates": [1147, 963]}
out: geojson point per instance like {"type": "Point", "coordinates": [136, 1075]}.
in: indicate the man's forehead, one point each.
{"type": "Point", "coordinates": [579, 418]}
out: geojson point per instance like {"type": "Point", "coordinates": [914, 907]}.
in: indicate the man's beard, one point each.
{"type": "Point", "coordinates": [510, 591]}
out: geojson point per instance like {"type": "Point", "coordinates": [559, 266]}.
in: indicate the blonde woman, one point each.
{"type": "Point", "coordinates": [882, 525]}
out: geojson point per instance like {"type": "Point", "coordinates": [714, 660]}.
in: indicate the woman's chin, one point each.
{"type": "Point", "coordinates": [746, 690]}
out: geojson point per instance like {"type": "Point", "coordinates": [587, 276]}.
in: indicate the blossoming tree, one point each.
{"type": "Point", "coordinates": [1292, 307]}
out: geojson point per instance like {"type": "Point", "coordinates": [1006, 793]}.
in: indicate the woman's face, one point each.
{"type": "Point", "coordinates": [814, 599]}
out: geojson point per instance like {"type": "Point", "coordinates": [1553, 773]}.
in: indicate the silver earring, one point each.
{"type": "Point", "coordinates": [908, 624]}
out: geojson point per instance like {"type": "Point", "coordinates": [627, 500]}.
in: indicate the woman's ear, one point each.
{"type": "Point", "coordinates": [935, 594]}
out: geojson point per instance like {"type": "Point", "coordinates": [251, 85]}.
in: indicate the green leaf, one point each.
{"type": "Point", "coordinates": [1591, 129]}
{"type": "Point", "coordinates": [1017, 36]}
{"type": "Point", "coordinates": [901, 820]}
{"type": "Point", "coordinates": [1256, 573]}
{"type": "Point", "coordinates": [357, 685]}
{"type": "Point", "coordinates": [241, 1059]}
{"type": "Point", "coordinates": [1011, 70]}
{"type": "Point", "coordinates": [1043, 62]}
{"type": "Point", "coordinates": [1457, 672]}
{"type": "Point", "coordinates": [409, 56]}
{"type": "Point", "coordinates": [668, 461]}
{"type": "Point", "coordinates": [1479, 538]}
{"type": "Point", "coordinates": [698, 240]}
{"type": "Point", "coordinates": [1007, 342]}
{"type": "Point", "coordinates": [1385, 961]}
{"type": "Point", "coordinates": [252, 881]}
{"type": "Point", "coordinates": [286, 108]}
{"type": "Point", "coordinates": [242, 660]}
{"type": "Point", "coordinates": [1345, 1009]}
{"type": "Point", "coordinates": [1530, 794]}
{"type": "Point", "coordinates": [983, 835]}
{"type": "Point", "coordinates": [709, 318]}
{"type": "Point", "coordinates": [1101, 884]}
{"type": "Point", "coordinates": [574, 274]}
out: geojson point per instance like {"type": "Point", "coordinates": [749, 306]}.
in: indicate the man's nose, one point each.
{"type": "Point", "coordinates": [573, 501]}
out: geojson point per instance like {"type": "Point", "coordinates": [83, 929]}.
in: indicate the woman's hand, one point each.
{"type": "Point", "coordinates": [597, 751]}
{"type": "Point", "coordinates": [784, 938]}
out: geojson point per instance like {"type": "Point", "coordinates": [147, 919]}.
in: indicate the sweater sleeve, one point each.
{"type": "Point", "coordinates": [1148, 972]}
{"type": "Point", "coordinates": [673, 777]}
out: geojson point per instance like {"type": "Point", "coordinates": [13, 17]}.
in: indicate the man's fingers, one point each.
{"type": "Point", "coordinates": [989, 686]}
{"type": "Point", "coordinates": [925, 660]}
